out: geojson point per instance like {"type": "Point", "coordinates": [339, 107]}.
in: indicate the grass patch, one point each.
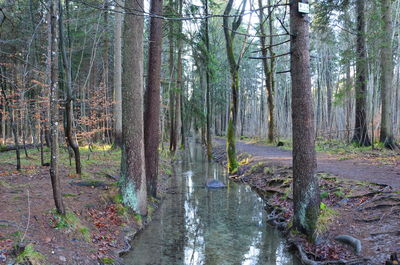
{"type": "Point", "coordinates": [326, 217]}
{"type": "Point", "coordinates": [4, 184]}
{"type": "Point", "coordinates": [67, 195]}
{"type": "Point", "coordinates": [106, 260]}
{"type": "Point", "coordinates": [30, 255]}
{"type": "Point", "coordinates": [71, 221]}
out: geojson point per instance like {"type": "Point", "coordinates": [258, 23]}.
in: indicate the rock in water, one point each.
{"type": "Point", "coordinates": [215, 184]}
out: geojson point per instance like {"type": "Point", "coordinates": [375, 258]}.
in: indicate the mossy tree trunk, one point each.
{"type": "Point", "coordinates": [133, 186]}
{"type": "Point", "coordinates": [229, 32]}
{"type": "Point", "coordinates": [306, 195]}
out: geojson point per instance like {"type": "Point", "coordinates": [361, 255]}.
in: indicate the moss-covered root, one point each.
{"type": "Point", "coordinates": [351, 241]}
{"type": "Point", "coordinates": [231, 149]}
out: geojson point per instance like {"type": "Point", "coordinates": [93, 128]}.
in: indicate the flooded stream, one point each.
{"type": "Point", "coordinates": [196, 225]}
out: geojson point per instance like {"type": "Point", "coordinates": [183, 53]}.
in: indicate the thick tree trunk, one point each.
{"type": "Point", "coordinates": [118, 72]}
{"type": "Point", "coordinates": [387, 136]}
{"type": "Point", "coordinates": [133, 159]}
{"type": "Point", "coordinates": [54, 119]}
{"type": "Point", "coordinates": [152, 99]}
{"type": "Point", "coordinates": [360, 131]}
{"type": "Point", "coordinates": [306, 196]}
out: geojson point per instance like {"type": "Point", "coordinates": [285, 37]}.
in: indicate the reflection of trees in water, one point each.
{"type": "Point", "coordinates": [212, 227]}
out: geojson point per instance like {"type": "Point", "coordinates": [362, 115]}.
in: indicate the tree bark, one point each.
{"type": "Point", "coordinates": [360, 135]}
{"type": "Point", "coordinates": [229, 33]}
{"type": "Point", "coordinates": [306, 196]}
{"type": "Point", "coordinates": [118, 72]}
{"type": "Point", "coordinates": [54, 119]}
{"type": "Point", "coordinates": [69, 114]}
{"type": "Point", "coordinates": [387, 135]}
{"type": "Point", "coordinates": [208, 90]}
{"type": "Point", "coordinates": [152, 99]}
{"type": "Point", "coordinates": [133, 159]}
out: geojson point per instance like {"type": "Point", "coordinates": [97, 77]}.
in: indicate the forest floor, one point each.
{"type": "Point", "coordinates": [97, 225]}
{"type": "Point", "coordinates": [360, 192]}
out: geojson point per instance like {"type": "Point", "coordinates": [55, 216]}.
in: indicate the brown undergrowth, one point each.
{"type": "Point", "coordinates": [97, 226]}
{"type": "Point", "coordinates": [365, 211]}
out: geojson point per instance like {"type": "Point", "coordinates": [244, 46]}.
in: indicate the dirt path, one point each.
{"type": "Point", "coordinates": [355, 169]}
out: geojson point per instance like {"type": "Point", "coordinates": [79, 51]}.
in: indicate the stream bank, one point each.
{"type": "Point", "coordinates": [365, 211]}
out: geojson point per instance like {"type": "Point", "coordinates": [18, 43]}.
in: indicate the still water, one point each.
{"type": "Point", "coordinates": [196, 225]}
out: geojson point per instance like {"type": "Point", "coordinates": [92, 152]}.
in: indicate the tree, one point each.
{"type": "Point", "coordinates": [54, 119]}
{"type": "Point", "coordinates": [360, 131]}
{"type": "Point", "coordinates": [118, 72]}
{"type": "Point", "coordinates": [152, 99]}
{"type": "Point", "coordinates": [268, 69]}
{"type": "Point", "coordinates": [133, 160]}
{"type": "Point", "coordinates": [69, 114]}
{"type": "Point", "coordinates": [208, 85]}
{"type": "Point", "coordinates": [386, 136]}
{"type": "Point", "coordinates": [229, 33]}
{"type": "Point", "coordinates": [306, 196]}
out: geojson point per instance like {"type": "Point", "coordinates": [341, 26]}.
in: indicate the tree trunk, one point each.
{"type": "Point", "coordinates": [118, 72]}
{"type": "Point", "coordinates": [387, 136]}
{"type": "Point", "coordinates": [306, 196]}
{"type": "Point", "coordinates": [54, 119]}
{"type": "Point", "coordinates": [133, 160]}
{"type": "Point", "coordinates": [234, 71]}
{"type": "Point", "coordinates": [208, 92]}
{"type": "Point", "coordinates": [152, 99]}
{"type": "Point", "coordinates": [360, 131]}
{"type": "Point", "coordinates": [69, 115]}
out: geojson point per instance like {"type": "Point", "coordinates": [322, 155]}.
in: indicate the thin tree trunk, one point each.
{"type": "Point", "coordinates": [69, 115]}
{"type": "Point", "coordinates": [118, 72]}
{"type": "Point", "coordinates": [306, 196]}
{"type": "Point", "coordinates": [54, 119]}
{"type": "Point", "coordinates": [152, 99]}
{"type": "Point", "coordinates": [133, 172]}
{"type": "Point", "coordinates": [208, 90]}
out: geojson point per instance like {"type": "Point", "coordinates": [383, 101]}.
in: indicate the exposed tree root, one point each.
{"type": "Point", "coordinates": [351, 241]}
{"type": "Point", "coordinates": [305, 260]}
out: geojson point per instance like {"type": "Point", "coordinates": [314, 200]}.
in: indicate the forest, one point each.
{"type": "Point", "coordinates": [199, 132]}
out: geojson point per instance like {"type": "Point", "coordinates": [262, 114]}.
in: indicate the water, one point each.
{"type": "Point", "coordinates": [196, 225]}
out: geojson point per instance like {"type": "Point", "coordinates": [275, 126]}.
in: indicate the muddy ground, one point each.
{"type": "Point", "coordinates": [360, 196]}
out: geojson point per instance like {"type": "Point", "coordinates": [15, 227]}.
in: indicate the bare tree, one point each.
{"type": "Point", "coordinates": [69, 114]}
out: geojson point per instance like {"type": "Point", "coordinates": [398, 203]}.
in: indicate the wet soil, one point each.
{"type": "Point", "coordinates": [362, 194]}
